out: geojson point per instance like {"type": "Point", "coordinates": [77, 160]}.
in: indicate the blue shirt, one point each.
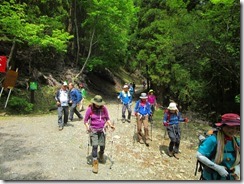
{"type": "Point", "coordinates": [172, 118]}
{"type": "Point", "coordinates": [143, 108]}
{"type": "Point", "coordinates": [125, 97]}
{"type": "Point", "coordinates": [75, 96]}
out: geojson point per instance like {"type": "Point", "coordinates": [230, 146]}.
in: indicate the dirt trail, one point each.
{"type": "Point", "coordinates": [32, 148]}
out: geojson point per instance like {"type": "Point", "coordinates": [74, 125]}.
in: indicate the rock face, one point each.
{"type": "Point", "coordinates": [32, 148]}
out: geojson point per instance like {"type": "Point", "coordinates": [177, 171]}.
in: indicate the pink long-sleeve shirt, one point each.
{"type": "Point", "coordinates": [152, 99]}
{"type": "Point", "coordinates": [97, 118]}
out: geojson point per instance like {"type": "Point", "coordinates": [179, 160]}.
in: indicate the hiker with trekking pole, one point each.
{"type": "Point", "coordinates": [96, 122]}
{"type": "Point", "coordinates": [142, 112]}
{"type": "Point", "coordinates": [171, 120]}
{"type": "Point", "coordinates": [153, 103]}
{"type": "Point", "coordinates": [219, 153]}
{"type": "Point", "coordinates": [126, 99]}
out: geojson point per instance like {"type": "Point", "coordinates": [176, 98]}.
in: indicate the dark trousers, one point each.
{"type": "Point", "coordinates": [73, 111]}
{"type": "Point", "coordinates": [128, 107]}
{"type": "Point", "coordinates": [63, 113]}
{"type": "Point", "coordinates": [174, 135]}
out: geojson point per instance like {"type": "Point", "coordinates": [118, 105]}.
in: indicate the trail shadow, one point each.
{"type": "Point", "coordinates": [89, 160]}
{"type": "Point", "coordinates": [13, 149]}
{"type": "Point", "coordinates": [163, 149]}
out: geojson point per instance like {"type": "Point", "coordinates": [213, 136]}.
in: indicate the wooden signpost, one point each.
{"type": "Point", "coordinates": [9, 83]}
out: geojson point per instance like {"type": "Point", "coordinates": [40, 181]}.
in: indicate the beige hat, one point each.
{"type": "Point", "coordinates": [172, 106]}
{"type": "Point", "coordinates": [98, 100]}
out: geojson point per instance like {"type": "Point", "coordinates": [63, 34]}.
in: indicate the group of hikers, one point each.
{"type": "Point", "coordinates": [219, 154]}
{"type": "Point", "coordinates": [68, 100]}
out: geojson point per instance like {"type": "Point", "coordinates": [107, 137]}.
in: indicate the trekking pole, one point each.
{"type": "Point", "coordinates": [88, 145]}
{"type": "Point", "coordinates": [118, 112]}
{"type": "Point", "coordinates": [111, 151]}
{"type": "Point", "coordinates": [134, 136]}
{"type": "Point", "coordinates": [151, 130]}
{"type": "Point", "coordinates": [165, 132]}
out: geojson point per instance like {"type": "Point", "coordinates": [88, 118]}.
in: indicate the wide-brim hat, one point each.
{"type": "Point", "coordinates": [229, 119]}
{"type": "Point", "coordinates": [151, 90]}
{"type": "Point", "coordinates": [172, 106]}
{"type": "Point", "coordinates": [143, 96]}
{"type": "Point", "coordinates": [98, 100]}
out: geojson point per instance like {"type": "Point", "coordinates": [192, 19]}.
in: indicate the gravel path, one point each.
{"type": "Point", "coordinates": [32, 148]}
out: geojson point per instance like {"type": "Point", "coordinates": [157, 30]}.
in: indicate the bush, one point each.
{"type": "Point", "coordinates": [19, 105]}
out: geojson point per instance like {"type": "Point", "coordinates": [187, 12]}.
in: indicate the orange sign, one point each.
{"type": "Point", "coordinates": [10, 79]}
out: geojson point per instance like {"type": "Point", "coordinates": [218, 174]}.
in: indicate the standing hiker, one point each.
{"type": "Point", "coordinates": [171, 120]}
{"type": "Point", "coordinates": [75, 98]}
{"type": "Point", "coordinates": [83, 94]}
{"type": "Point", "coordinates": [126, 100]}
{"type": "Point", "coordinates": [96, 120]}
{"type": "Point", "coordinates": [220, 152]}
{"type": "Point", "coordinates": [153, 102]}
{"type": "Point", "coordinates": [62, 100]}
{"type": "Point", "coordinates": [142, 112]}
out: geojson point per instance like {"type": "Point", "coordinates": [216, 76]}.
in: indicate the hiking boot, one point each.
{"type": "Point", "coordinates": [123, 120]}
{"type": "Point", "coordinates": [177, 151]}
{"type": "Point", "coordinates": [60, 128]}
{"type": "Point", "coordinates": [101, 157]}
{"type": "Point", "coordinates": [141, 141]}
{"type": "Point", "coordinates": [95, 166]}
{"type": "Point", "coordinates": [128, 120]}
{"type": "Point", "coordinates": [146, 141]}
{"type": "Point", "coordinates": [170, 153]}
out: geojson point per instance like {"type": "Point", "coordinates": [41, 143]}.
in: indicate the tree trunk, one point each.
{"type": "Point", "coordinates": [88, 55]}
{"type": "Point", "coordinates": [77, 36]}
{"type": "Point", "coordinates": [11, 60]}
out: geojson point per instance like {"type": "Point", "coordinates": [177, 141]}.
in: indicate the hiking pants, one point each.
{"type": "Point", "coordinates": [62, 121]}
{"type": "Point", "coordinates": [97, 139]}
{"type": "Point", "coordinates": [74, 110]}
{"type": "Point", "coordinates": [94, 150]}
{"type": "Point", "coordinates": [174, 135]}
{"type": "Point", "coordinates": [142, 120]}
{"type": "Point", "coordinates": [128, 107]}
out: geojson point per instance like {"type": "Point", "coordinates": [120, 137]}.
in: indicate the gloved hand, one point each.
{"type": "Point", "coordinates": [221, 170]}
{"type": "Point", "coordinates": [186, 120]}
{"type": "Point", "coordinates": [166, 124]}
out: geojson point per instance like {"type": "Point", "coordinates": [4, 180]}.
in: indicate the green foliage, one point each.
{"type": "Point", "coordinates": [42, 31]}
{"type": "Point", "coordinates": [18, 105]}
{"type": "Point", "coordinates": [191, 51]}
{"type": "Point", "coordinates": [44, 99]}
{"type": "Point", "coordinates": [111, 20]}
{"type": "Point", "coordinates": [238, 99]}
